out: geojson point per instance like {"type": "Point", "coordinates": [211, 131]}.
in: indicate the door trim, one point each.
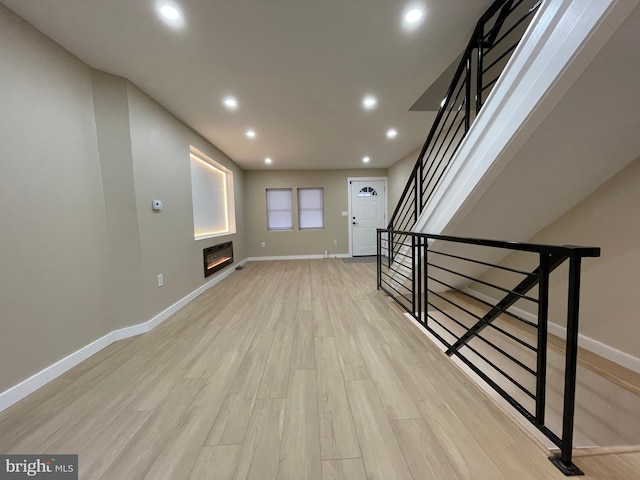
{"type": "Point", "coordinates": [386, 204]}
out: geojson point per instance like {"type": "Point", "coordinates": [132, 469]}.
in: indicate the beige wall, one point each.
{"type": "Point", "coordinates": [297, 242]}
{"type": "Point", "coordinates": [398, 176]}
{"type": "Point", "coordinates": [53, 281]}
{"type": "Point", "coordinates": [82, 154]}
{"type": "Point", "coordinates": [610, 304]}
{"type": "Point", "coordinates": [162, 170]}
{"type": "Point", "coordinates": [123, 234]}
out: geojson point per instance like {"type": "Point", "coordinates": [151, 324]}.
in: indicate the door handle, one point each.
{"type": "Point", "coordinates": [354, 223]}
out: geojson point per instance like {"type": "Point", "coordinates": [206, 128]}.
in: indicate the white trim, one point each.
{"type": "Point", "coordinates": [41, 378]}
{"type": "Point", "coordinates": [561, 41]}
{"type": "Point", "coordinates": [386, 204]}
{"type": "Point", "coordinates": [298, 257]}
{"type": "Point", "coordinates": [610, 353]}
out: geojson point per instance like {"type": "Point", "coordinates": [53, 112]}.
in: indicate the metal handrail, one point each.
{"type": "Point", "coordinates": [448, 129]}
{"type": "Point", "coordinates": [414, 289]}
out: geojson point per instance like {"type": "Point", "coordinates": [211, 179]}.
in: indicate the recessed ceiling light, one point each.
{"type": "Point", "coordinates": [230, 102]}
{"type": "Point", "coordinates": [170, 13]}
{"type": "Point", "coordinates": [369, 102]}
{"type": "Point", "coordinates": [250, 133]}
{"type": "Point", "coordinates": [267, 161]}
{"type": "Point", "coordinates": [392, 133]}
{"type": "Point", "coordinates": [413, 16]}
{"type": "Point", "coordinates": [365, 159]}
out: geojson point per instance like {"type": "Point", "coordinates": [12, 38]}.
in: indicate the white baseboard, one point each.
{"type": "Point", "coordinates": [594, 346]}
{"type": "Point", "coordinates": [38, 380]}
{"type": "Point", "coordinates": [298, 257]}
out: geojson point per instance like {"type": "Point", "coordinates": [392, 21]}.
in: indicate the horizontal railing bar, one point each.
{"type": "Point", "coordinates": [510, 30]}
{"type": "Point", "coordinates": [396, 291]}
{"type": "Point", "coordinates": [512, 401]}
{"type": "Point", "coordinates": [508, 355]}
{"type": "Point", "coordinates": [505, 312]}
{"type": "Point", "coordinates": [500, 391]}
{"type": "Point", "coordinates": [493, 31]}
{"type": "Point", "coordinates": [484, 302]}
{"type": "Point", "coordinates": [504, 54]}
{"type": "Point", "coordinates": [434, 333]}
{"type": "Point", "coordinates": [457, 322]}
{"type": "Point", "coordinates": [498, 349]}
{"type": "Point", "coordinates": [511, 357]}
{"type": "Point", "coordinates": [392, 281]}
{"type": "Point", "coordinates": [446, 121]}
{"type": "Point", "coordinates": [398, 273]}
{"type": "Point", "coordinates": [497, 287]}
{"type": "Point", "coordinates": [491, 325]}
{"type": "Point", "coordinates": [509, 300]}
{"type": "Point", "coordinates": [399, 303]}
{"type": "Point", "coordinates": [565, 250]}
{"type": "Point", "coordinates": [442, 326]}
{"type": "Point", "coordinates": [492, 265]}
{"type": "Point", "coordinates": [392, 277]}
{"type": "Point", "coordinates": [437, 182]}
{"type": "Point", "coordinates": [490, 84]}
{"type": "Point", "coordinates": [502, 372]}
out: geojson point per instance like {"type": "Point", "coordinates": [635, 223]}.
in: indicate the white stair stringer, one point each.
{"type": "Point", "coordinates": [505, 181]}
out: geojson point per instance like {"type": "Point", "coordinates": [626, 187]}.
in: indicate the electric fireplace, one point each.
{"type": "Point", "coordinates": [217, 257]}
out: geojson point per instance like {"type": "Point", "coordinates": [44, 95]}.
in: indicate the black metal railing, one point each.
{"type": "Point", "coordinates": [460, 293]}
{"type": "Point", "coordinates": [494, 39]}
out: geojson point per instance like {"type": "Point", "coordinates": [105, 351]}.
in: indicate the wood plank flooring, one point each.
{"type": "Point", "coordinates": [286, 370]}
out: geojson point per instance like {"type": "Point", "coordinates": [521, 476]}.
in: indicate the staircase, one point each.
{"type": "Point", "coordinates": [494, 164]}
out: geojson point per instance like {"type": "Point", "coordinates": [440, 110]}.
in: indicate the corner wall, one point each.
{"type": "Point", "coordinates": [610, 304]}
{"type": "Point", "coordinates": [53, 282]}
{"type": "Point", "coordinates": [82, 154]}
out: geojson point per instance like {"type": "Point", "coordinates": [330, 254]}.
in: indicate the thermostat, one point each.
{"type": "Point", "coordinates": [156, 205]}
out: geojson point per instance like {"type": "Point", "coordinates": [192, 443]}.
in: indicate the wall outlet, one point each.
{"type": "Point", "coordinates": [263, 244]}
{"type": "Point", "coordinates": [335, 243]}
{"type": "Point", "coordinates": [160, 280]}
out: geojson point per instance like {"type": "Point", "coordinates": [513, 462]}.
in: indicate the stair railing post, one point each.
{"type": "Point", "coordinates": [425, 251]}
{"type": "Point", "coordinates": [480, 47]}
{"type": "Point", "coordinates": [413, 274]}
{"type": "Point", "coordinates": [379, 258]}
{"type": "Point", "coordinates": [467, 95]}
{"type": "Point", "coordinates": [564, 463]}
{"type": "Point", "coordinates": [418, 276]}
{"type": "Point", "coordinates": [543, 313]}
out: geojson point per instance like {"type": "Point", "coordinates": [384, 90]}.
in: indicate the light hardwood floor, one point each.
{"type": "Point", "coordinates": [286, 370]}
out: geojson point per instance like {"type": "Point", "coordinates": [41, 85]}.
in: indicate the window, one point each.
{"type": "Point", "coordinates": [279, 209]}
{"type": "Point", "coordinates": [212, 195]}
{"type": "Point", "coordinates": [311, 208]}
{"type": "Point", "coordinates": [367, 192]}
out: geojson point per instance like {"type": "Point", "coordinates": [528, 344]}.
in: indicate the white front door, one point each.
{"type": "Point", "coordinates": [368, 202]}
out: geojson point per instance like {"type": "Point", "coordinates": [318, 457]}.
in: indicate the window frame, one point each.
{"type": "Point", "coordinates": [271, 228]}
{"type": "Point", "coordinates": [302, 209]}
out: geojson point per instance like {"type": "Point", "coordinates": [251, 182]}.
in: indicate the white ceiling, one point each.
{"type": "Point", "coordinates": [299, 69]}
